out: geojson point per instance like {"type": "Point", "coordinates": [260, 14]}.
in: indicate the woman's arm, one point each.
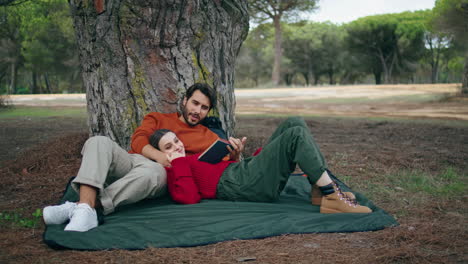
{"type": "Point", "coordinates": [180, 182]}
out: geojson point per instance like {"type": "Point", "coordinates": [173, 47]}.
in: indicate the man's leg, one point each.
{"type": "Point", "coordinates": [290, 122]}
{"type": "Point", "coordinates": [263, 177]}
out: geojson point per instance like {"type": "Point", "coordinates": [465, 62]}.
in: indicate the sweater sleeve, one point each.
{"type": "Point", "coordinates": [140, 137]}
{"type": "Point", "coordinates": [181, 184]}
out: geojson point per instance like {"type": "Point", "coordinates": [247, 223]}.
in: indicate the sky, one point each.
{"type": "Point", "coordinates": [344, 11]}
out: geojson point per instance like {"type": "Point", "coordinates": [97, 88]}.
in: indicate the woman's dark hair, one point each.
{"type": "Point", "coordinates": [204, 89]}
{"type": "Point", "coordinates": [156, 137]}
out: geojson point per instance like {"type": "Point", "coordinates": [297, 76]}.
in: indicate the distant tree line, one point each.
{"type": "Point", "coordinates": [426, 46]}
{"type": "Point", "coordinates": [38, 52]}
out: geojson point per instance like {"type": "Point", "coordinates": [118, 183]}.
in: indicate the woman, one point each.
{"type": "Point", "coordinates": [260, 178]}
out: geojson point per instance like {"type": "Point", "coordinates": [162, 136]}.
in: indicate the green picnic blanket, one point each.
{"type": "Point", "coordinates": [163, 223]}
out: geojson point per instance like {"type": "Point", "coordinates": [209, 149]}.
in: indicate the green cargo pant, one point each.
{"type": "Point", "coordinates": [262, 178]}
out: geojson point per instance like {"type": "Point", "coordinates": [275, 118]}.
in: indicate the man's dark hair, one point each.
{"type": "Point", "coordinates": [204, 89]}
{"type": "Point", "coordinates": [156, 137]}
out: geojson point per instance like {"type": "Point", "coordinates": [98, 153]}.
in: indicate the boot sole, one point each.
{"type": "Point", "coordinates": [329, 211]}
{"type": "Point", "coordinates": [333, 211]}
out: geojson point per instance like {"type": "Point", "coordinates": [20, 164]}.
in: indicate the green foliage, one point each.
{"type": "Point", "coordinates": [391, 48]}
{"type": "Point", "coordinates": [451, 16]}
{"type": "Point", "coordinates": [18, 220]}
{"type": "Point", "coordinates": [39, 45]}
{"type": "Point", "coordinates": [389, 44]}
{"type": "Point", "coordinates": [261, 10]}
{"type": "Point", "coordinates": [315, 49]}
{"type": "Point", "coordinates": [255, 59]}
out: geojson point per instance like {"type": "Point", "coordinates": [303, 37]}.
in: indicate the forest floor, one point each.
{"type": "Point", "coordinates": [414, 167]}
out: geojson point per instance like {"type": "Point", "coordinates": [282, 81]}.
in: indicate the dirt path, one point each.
{"type": "Point", "coordinates": [411, 101]}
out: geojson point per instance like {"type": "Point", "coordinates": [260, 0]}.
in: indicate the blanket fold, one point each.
{"type": "Point", "coordinates": [162, 223]}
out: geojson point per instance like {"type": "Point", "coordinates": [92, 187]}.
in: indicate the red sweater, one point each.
{"type": "Point", "coordinates": [190, 180]}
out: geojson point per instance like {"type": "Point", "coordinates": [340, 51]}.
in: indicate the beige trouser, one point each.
{"type": "Point", "coordinates": [120, 177]}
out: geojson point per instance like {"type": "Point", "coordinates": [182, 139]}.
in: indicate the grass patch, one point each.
{"type": "Point", "coordinates": [446, 185]}
{"type": "Point", "coordinates": [411, 189]}
{"type": "Point", "coordinates": [18, 220]}
{"type": "Point", "coordinates": [24, 111]}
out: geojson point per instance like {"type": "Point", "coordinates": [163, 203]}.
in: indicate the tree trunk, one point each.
{"type": "Point", "coordinates": [316, 78]}
{"type": "Point", "coordinates": [141, 56]}
{"type": "Point", "coordinates": [378, 77]}
{"type": "Point", "coordinates": [14, 77]}
{"type": "Point", "coordinates": [275, 76]}
{"type": "Point", "coordinates": [464, 88]}
{"type": "Point", "coordinates": [331, 73]}
{"type": "Point", "coordinates": [435, 58]}
{"type": "Point", "coordinates": [47, 83]}
{"type": "Point", "coordinates": [34, 87]}
{"type": "Point", "coordinates": [306, 78]}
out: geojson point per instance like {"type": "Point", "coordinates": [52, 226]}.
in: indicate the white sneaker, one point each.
{"type": "Point", "coordinates": [82, 219]}
{"type": "Point", "coordinates": [57, 214]}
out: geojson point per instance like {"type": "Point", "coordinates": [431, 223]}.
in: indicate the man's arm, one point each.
{"type": "Point", "coordinates": [151, 153]}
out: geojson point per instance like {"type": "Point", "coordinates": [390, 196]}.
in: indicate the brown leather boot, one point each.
{"type": "Point", "coordinates": [335, 201]}
{"type": "Point", "coordinates": [317, 195]}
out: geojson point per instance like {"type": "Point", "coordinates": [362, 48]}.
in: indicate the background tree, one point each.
{"type": "Point", "coordinates": [49, 47]}
{"type": "Point", "coordinates": [141, 56]}
{"type": "Point", "coordinates": [10, 44]}
{"type": "Point", "coordinates": [302, 45]}
{"type": "Point", "coordinates": [262, 10]}
{"type": "Point", "coordinates": [451, 17]}
{"type": "Point", "coordinates": [254, 62]}
{"type": "Point", "coordinates": [37, 48]}
{"type": "Point", "coordinates": [389, 43]}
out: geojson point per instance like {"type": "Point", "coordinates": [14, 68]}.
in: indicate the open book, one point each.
{"type": "Point", "coordinates": [216, 152]}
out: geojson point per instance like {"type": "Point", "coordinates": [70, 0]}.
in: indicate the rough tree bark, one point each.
{"type": "Point", "coordinates": [140, 56]}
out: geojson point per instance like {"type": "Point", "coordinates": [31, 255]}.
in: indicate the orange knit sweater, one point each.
{"type": "Point", "coordinates": [196, 139]}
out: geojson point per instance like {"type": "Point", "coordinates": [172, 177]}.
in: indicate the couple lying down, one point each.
{"type": "Point", "coordinates": [260, 178]}
{"type": "Point", "coordinates": [109, 176]}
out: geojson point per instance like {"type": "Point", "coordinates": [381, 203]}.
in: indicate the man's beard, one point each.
{"type": "Point", "coordinates": [185, 114]}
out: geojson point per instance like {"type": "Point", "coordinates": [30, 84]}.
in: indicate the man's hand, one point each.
{"type": "Point", "coordinates": [238, 146]}
{"type": "Point", "coordinates": [174, 155]}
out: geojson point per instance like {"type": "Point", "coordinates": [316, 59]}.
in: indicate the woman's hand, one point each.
{"type": "Point", "coordinates": [238, 146]}
{"type": "Point", "coordinates": [174, 155]}
{"type": "Point", "coordinates": [162, 159]}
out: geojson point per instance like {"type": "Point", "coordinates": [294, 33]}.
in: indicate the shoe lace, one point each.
{"type": "Point", "coordinates": [346, 198]}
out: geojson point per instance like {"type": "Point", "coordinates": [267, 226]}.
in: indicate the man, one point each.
{"type": "Point", "coordinates": [111, 177]}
